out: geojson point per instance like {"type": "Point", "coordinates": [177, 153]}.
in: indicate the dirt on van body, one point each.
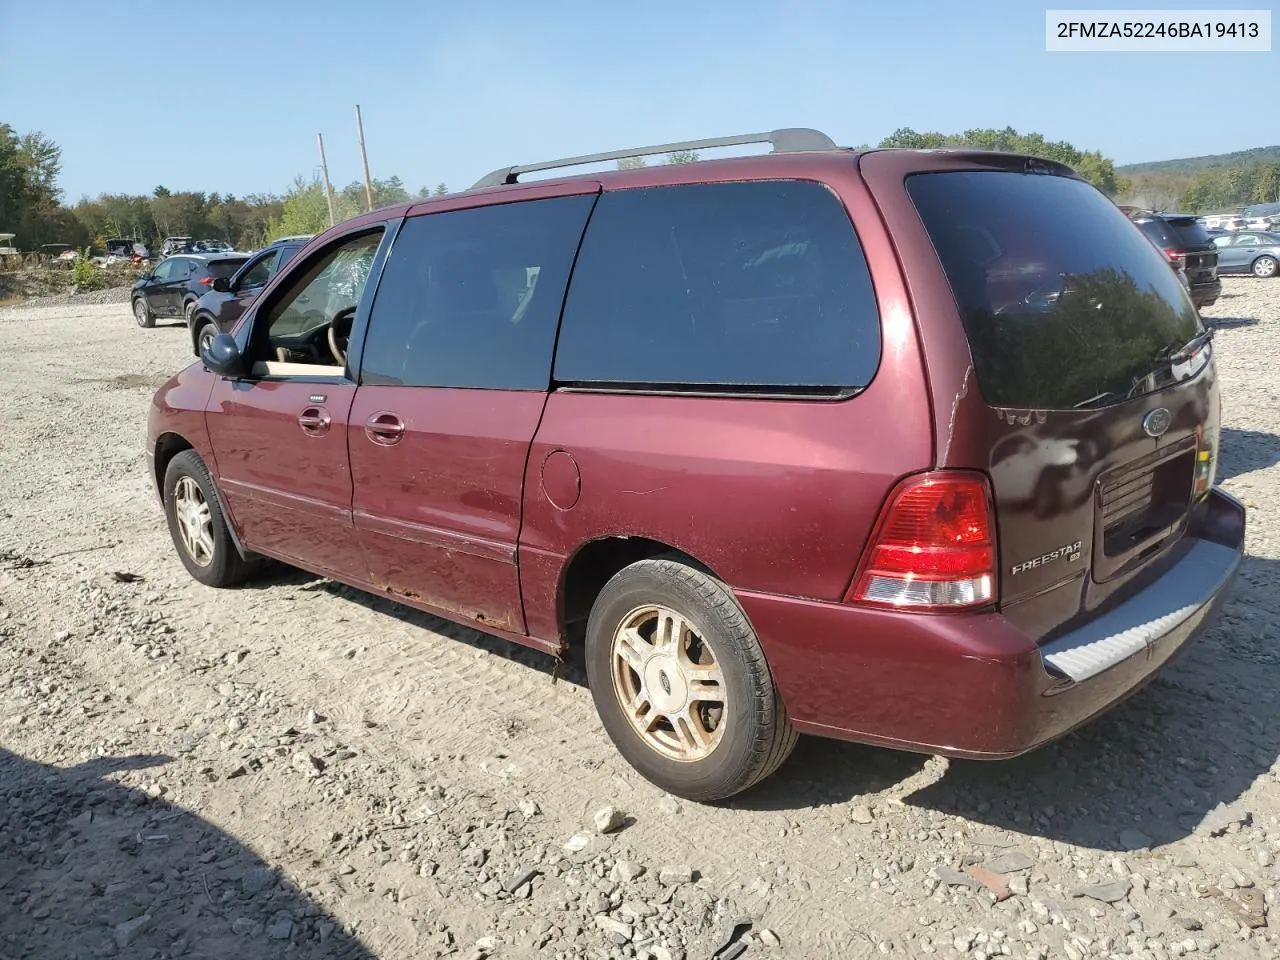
{"type": "Point", "coordinates": [297, 769]}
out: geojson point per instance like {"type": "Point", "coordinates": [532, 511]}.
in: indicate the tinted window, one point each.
{"type": "Point", "coordinates": [259, 273]}
{"type": "Point", "coordinates": [286, 254]}
{"type": "Point", "coordinates": [1065, 304]}
{"type": "Point", "coordinates": [472, 298]}
{"type": "Point", "coordinates": [1190, 232]}
{"type": "Point", "coordinates": [223, 268]}
{"type": "Point", "coordinates": [757, 284]}
{"type": "Point", "coordinates": [163, 270]}
{"type": "Point", "coordinates": [1159, 233]}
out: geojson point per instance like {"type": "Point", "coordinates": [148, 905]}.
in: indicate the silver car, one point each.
{"type": "Point", "coordinates": [1249, 251]}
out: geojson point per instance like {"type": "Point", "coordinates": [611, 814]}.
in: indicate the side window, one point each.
{"type": "Point", "coordinates": [758, 285]}
{"type": "Point", "coordinates": [286, 254]}
{"type": "Point", "coordinates": [1221, 242]}
{"type": "Point", "coordinates": [259, 273]}
{"type": "Point", "coordinates": [471, 298]}
{"type": "Point", "coordinates": [164, 271]}
{"type": "Point", "coordinates": [310, 321]}
{"type": "Point", "coordinates": [1248, 240]}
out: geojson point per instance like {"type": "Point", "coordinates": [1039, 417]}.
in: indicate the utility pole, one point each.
{"type": "Point", "coordinates": [364, 158]}
{"type": "Point", "coordinates": [324, 168]}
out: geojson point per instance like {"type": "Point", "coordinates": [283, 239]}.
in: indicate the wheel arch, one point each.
{"type": "Point", "coordinates": [198, 320]}
{"type": "Point", "coordinates": [169, 445]}
{"type": "Point", "coordinates": [594, 564]}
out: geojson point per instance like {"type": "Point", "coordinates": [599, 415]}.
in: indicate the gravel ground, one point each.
{"type": "Point", "coordinates": [296, 769]}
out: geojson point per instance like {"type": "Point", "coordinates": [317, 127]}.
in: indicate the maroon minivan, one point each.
{"type": "Point", "coordinates": [915, 448]}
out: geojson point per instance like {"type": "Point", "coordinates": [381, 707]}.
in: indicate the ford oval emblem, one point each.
{"type": "Point", "coordinates": [1155, 423]}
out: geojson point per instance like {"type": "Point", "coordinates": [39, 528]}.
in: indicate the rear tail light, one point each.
{"type": "Point", "coordinates": [206, 281]}
{"type": "Point", "coordinates": [1177, 256]}
{"type": "Point", "coordinates": [933, 548]}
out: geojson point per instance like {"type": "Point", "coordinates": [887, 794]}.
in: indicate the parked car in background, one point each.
{"type": "Point", "coordinates": [634, 413]}
{"type": "Point", "coordinates": [1184, 239]}
{"type": "Point", "coordinates": [219, 309]}
{"type": "Point", "coordinates": [127, 248]}
{"type": "Point", "coordinates": [176, 284]}
{"type": "Point", "coordinates": [174, 245]}
{"type": "Point", "coordinates": [211, 246]}
{"type": "Point", "coordinates": [1249, 252]}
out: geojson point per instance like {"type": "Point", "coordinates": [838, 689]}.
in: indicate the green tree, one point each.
{"type": "Point", "coordinates": [1092, 165]}
{"type": "Point", "coordinates": [631, 163]}
{"type": "Point", "coordinates": [441, 190]}
{"type": "Point", "coordinates": [682, 156]}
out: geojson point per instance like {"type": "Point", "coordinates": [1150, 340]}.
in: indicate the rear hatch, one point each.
{"type": "Point", "coordinates": [1097, 414]}
{"type": "Point", "coordinates": [1186, 240]}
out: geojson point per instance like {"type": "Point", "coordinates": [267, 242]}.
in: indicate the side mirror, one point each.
{"type": "Point", "coordinates": [223, 356]}
{"type": "Point", "coordinates": [222, 284]}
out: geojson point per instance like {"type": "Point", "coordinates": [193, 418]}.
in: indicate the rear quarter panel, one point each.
{"type": "Point", "coordinates": [776, 496]}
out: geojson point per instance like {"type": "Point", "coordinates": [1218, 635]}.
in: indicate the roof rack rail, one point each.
{"type": "Point", "coordinates": [787, 140]}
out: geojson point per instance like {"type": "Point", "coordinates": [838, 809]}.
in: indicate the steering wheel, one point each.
{"type": "Point", "coordinates": [340, 334]}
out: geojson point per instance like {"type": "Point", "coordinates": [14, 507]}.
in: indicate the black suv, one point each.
{"type": "Point", "coordinates": [219, 309]}
{"type": "Point", "coordinates": [1185, 241]}
{"type": "Point", "coordinates": [174, 286]}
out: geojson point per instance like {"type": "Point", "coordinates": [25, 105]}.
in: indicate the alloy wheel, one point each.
{"type": "Point", "coordinates": [669, 683]}
{"type": "Point", "coordinates": [195, 521]}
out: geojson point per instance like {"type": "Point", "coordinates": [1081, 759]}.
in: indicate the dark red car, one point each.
{"type": "Point", "coordinates": [911, 448]}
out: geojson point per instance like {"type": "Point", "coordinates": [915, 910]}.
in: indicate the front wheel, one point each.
{"type": "Point", "coordinates": [198, 525]}
{"type": "Point", "coordinates": [204, 339]}
{"type": "Point", "coordinates": [142, 313]}
{"type": "Point", "coordinates": [681, 683]}
{"type": "Point", "coordinates": [1265, 267]}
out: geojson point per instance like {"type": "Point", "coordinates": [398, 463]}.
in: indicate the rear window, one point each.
{"type": "Point", "coordinates": [757, 286]}
{"type": "Point", "coordinates": [1064, 302]}
{"type": "Point", "coordinates": [225, 268]}
{"type": "Point", "coordinates": [1189, 231]}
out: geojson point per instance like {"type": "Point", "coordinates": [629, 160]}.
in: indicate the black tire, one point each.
{"type": "Point", "coordinates": [203, 327]}
{"type": "Point", "coordinates": [757, 735]}
{"type": "Point", "coordinates": [188, 312]}
{"type": "Point", "coordinates": [225, 567]}
{"type": "Point", "coordinates": [1265, 267]}
{"type": "Point", "coordinates": [142, 313]}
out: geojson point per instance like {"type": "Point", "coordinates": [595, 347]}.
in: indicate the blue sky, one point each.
{"type": "Point", "coordinates": [230, 96]}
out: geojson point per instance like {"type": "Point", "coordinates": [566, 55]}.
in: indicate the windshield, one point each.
{"type": "Point", "coordinates": [1065, 303]}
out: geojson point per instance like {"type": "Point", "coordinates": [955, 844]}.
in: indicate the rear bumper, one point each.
{"type": "Point", "coordinates": [975, 685]}
{"type": "Point", "coordinates": [1206, 294]}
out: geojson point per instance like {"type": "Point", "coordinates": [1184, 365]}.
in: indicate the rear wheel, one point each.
{"type": "Point", "coordinates": [1265, 267]}
{"type": "Point", "coordinates": [681, 683]}
{"type": "Point", "coordinates": [142, 312]}
{"type": "Point", "coordinates": [198, 525]}
{"type": "Point", "coordinates": [188, 311]}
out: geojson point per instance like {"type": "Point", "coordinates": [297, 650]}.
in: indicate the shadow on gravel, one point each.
{"type": "Point", "coordinates": [89, 868]}
{"type": "Point", "coordinates": [279, 575]}
{"type": "Point", "coordinates": [1197, 737]}
{"type": "Point", "coordinates": [1243, 451]}
{"type": "Point", "coordinates": [1229, 323]}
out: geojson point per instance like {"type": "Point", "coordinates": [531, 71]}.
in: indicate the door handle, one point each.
{"type": "Point", "coordinates": [314, 421]}
{"type": "Point", "coordinates": [384, 428]}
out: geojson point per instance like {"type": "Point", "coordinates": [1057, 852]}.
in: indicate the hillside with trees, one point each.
{"type": "Point", "coordinates": [32, 204]}
{"type": "Point", "coordinates": [1192, 165]}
